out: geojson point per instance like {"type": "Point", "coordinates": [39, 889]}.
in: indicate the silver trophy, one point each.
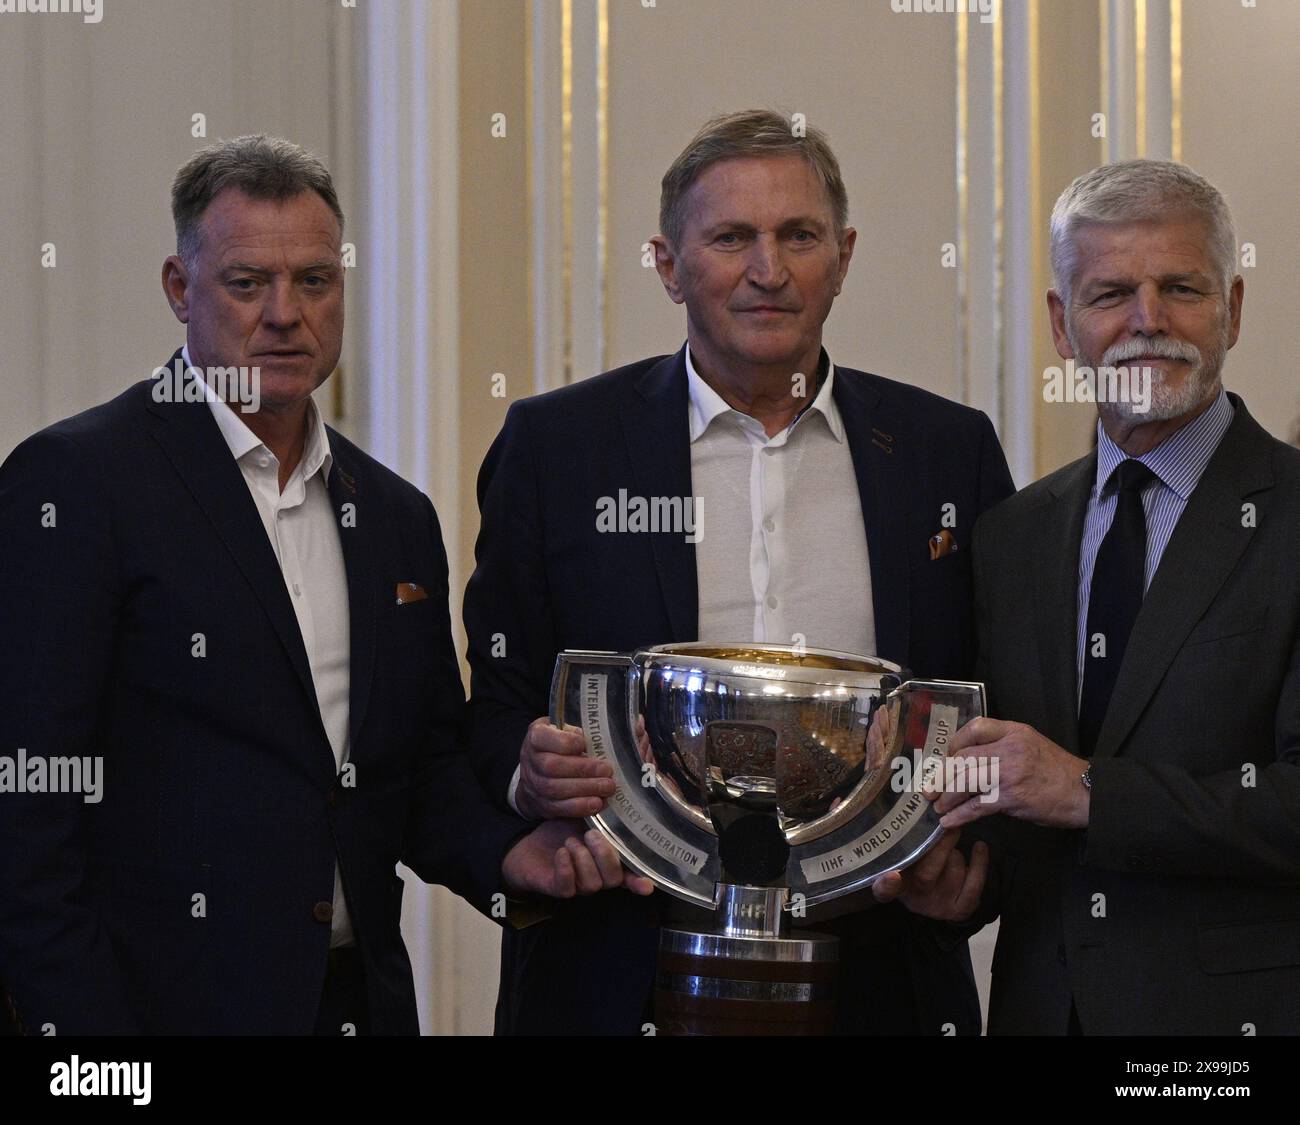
{"type": "Point", "coordinates": [764, 783]}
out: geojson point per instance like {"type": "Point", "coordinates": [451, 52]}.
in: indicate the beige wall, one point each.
{"type": "Point", "coordinates": [1241, 103]}
{"type": "Point", "coordinates": [883, 89]}
{"type": "Point", "coordinates": [1071, 91]}
{"type": "Point", "coordinates": [495, 324]}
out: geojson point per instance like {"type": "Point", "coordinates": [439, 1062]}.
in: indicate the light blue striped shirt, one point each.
{"type": "Point", "coordinates": [1178, 462]}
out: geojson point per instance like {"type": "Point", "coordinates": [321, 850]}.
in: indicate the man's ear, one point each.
{"type": "Point", "coordinates": [847, 241]}
{"type": "Point", "coordinates": [666, 267]}
{"type": "Point", "coordinates": [1056, 312]}
{"type": "Point", "coordinates": [1236, 295]}
{"type": "Point", "coordinates": [176, 287]}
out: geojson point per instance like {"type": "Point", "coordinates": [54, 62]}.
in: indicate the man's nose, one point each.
{"type": "Point", "coordinates": [767, 267]}
{"type": "Point", "coordinates": [281, 308]}
{"type": "Point", "coordinates": [1148, 315]}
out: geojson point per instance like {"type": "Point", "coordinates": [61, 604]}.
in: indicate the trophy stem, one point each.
{"type": "Point", "coordinates": [744, 911]}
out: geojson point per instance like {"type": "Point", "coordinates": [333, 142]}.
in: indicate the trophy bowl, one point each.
{"type": "Point", "coordinates": [759, 781]}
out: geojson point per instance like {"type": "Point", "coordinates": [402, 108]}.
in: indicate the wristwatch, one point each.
{"type": "Point", "coordinates": [1086, 777]}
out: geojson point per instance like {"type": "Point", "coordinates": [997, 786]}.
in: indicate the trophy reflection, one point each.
{"type": "Point", "coordinates": [766, 783]}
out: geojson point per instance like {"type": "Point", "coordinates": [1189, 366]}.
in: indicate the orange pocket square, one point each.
{"type": "Point", "coordinates": [942, 544]}
{"type": "Point", "coordinates": [411, 592]}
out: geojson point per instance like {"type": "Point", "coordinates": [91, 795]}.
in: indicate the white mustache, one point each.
{"type": "Point", "coordinates": [1161, 346]}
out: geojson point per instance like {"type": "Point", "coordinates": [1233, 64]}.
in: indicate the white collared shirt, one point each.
{"type": "Point", "coordinates": [783, 554]}
{"type": "Point", "coordinates": [303, 531]}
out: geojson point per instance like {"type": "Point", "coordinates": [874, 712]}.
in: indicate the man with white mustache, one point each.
{"type": "Point", "coordinates": [1139, 634]}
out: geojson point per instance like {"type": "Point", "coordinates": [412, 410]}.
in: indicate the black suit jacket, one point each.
{"type": "Point", "coordinates": [1178, 910]}
{"type": "Point", "coordinates": [219, 779]}
{"type": "Point", "coordinates": [548, 580]}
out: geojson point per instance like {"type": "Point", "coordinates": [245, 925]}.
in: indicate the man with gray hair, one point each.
{"type": "Point", "coordinates": [823, 492]}
{"type": "Point", "coordinates": [244, 618]}
{"type": "Point", "coordinates": [1139, 633]}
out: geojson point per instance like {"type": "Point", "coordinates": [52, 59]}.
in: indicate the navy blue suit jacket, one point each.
{"type": "Point", "coordinates": [219, 779]}
{"type": "Point", "coordinates": [547, 580]}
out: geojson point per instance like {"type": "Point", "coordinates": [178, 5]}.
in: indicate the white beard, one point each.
{"type": "Point", "coordinates": [1168, 400]}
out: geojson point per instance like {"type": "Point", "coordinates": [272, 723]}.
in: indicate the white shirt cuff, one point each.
{"type": "Point", "coordinates": [510, 793]}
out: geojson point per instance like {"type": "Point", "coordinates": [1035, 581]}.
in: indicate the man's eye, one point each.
{"type": "Point", "coordinates": [731, 238]}
{"type": "Point", "coordinates": [1109, 297]}
{"type": "Point", "coordinates": [243, 284]}
{"type": "Point", "coordinates": [1184, 289]}
{"type": "Point", "coordinates": [316, 280]}
{"type": "Point", "coordinates": [803, 236]}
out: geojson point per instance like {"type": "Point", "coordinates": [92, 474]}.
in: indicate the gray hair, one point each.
{"type": "Point", "coordinates": [749, 132]}
{"type": "Point", "coordinates": [1138, 191]}
{"type": "Point", "coordinates": [260, 166]}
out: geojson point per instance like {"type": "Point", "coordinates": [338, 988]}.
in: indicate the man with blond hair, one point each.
{"type": "Point", "coordinates": [821, 489]}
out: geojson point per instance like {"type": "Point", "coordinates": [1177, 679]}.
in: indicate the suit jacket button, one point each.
{"type": "Point", "coordinates": [323, 911]}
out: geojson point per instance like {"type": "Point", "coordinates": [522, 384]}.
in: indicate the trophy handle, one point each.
{"type": "Point", "coordinates": [599, 694]}
{"type": "Point", "coordinates": [884, 826]}
{"type": "Point", "coordinates": [564, 664]}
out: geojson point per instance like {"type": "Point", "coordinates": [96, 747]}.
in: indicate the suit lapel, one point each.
{"type": "Point", "coordinates": [1051, 546]}
{"type": "Point", "coordinates": [1205, 547]}
{"type": "Point", "coordinates": [655, 425]}
{"type": "Point", "coordinates": [359, 523]}
{"type": "Point", "coordinates": [884, 464]}
{"type": "Point", "coordinates": [193, 444]}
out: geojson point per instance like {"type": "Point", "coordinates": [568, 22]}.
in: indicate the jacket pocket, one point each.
{"type": "Point", "coordinates": [1244, 947]}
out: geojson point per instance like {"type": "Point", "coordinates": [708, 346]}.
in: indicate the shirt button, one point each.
{"type": "Point", "coordinates": [297, 590]}
{"type": "Point", "coordinates": [769, 524]}
{"type": "Point", "coordinates": [323, 912]}
{"type": "Point", "coordinates": [771, 601]}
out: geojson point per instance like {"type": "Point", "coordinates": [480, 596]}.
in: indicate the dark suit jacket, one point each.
{"type": "Point", "coordinates": [219, 779]}
{"type": "Point", "coordinates": [548, 580]}
{"type": "Point", "coordinates": [1197, 862]}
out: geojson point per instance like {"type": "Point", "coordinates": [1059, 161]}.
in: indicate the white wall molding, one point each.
{"type": "Point", "coordinates": [410, 247]}
{"type": "Point", "coordinates": [568, 187]}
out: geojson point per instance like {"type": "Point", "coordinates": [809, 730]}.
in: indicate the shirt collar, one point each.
{"type": "Point", "coordinates": [1179, 460]}
{"type": "Point", "coordinates": [707, 404]}
{"type": "Point", "coordinates": [316, 454]}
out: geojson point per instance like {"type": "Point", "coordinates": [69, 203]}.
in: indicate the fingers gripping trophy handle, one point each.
{"type": "Point", "coordinates": [600, 694]}
{"type": "Point", "coordinates": [559, 687]}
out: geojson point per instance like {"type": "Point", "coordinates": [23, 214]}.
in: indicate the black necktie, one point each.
{"type": "Point", "coordinates": [1113, 604]}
